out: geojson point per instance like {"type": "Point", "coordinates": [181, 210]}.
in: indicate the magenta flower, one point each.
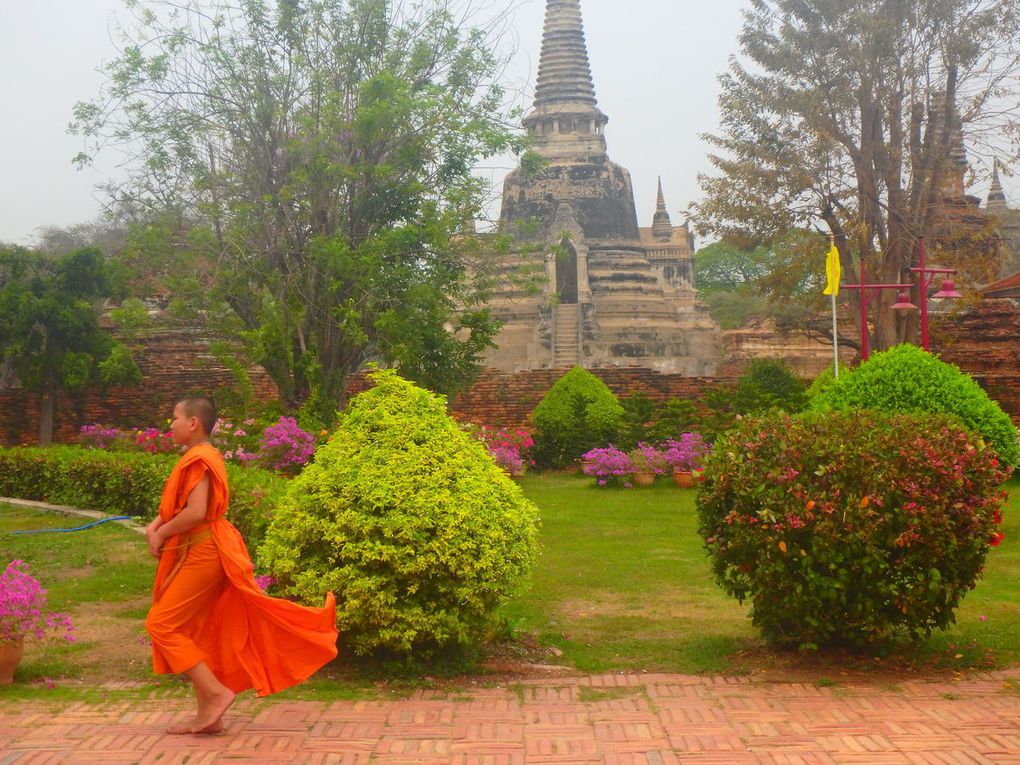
{"type": "Point", "coordinates": [23, 611]}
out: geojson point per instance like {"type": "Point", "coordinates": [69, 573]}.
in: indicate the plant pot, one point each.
{"type": "Point", "coordinates": [10, 655]}
{"type": "Point", "coordinates": [643, 479]}
{"type": "Point", "coordinates": [683, 479]}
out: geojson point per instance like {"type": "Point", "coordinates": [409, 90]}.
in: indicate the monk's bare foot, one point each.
{"type": "Point", "coordinates": [216, 727]}
{"type": "Point", "coordinates": [181, 730]}
{"type": "Point", "coordinates": [211, 714]}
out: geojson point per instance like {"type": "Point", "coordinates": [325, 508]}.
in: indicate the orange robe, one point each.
{"type": "Point", "coordinates": [206, 605]}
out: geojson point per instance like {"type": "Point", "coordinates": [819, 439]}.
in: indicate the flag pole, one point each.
{"type": "Point", "coordinates": [835, 339]}
{"type": "Point", "coordinates": [832, 276]}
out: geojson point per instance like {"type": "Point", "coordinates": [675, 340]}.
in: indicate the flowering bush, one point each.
{"type": "Point", "coordinates": [647, 459]}
{"type": "Point", "coordinates": [685, 454]}
{"type": "Point", "coordinates": [606, 464]}
{"type": "Point", "coordinates": [508, 458]}
{"type": "Point", "coordinates": [236, 443]}
{"type": "Point", "coordinates": [510, 449]}
{"type": "Point", "coordinates": [850, 527]}
{"type": "Point", "coordinates": [23, 611]}
{"type": "Point", "coordinates": [285, 447]}
{"type": "Point", "coordinates": [98, 436]}
{"type": "Point", "coordinates": [154, 441]}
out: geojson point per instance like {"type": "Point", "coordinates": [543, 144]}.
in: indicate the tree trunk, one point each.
{"type": "Point", "coordinates": [47, 403]}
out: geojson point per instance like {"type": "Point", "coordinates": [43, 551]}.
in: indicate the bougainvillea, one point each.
{"type": "Point", "coordinates": [646, 458]}
{"type": "Point", "coordinates": [685, 454]}
{"type": "Point", "coordinates": [850, 527]}
{"type": "Point", "coordinates": [285, 447]}
{"type": "Point", "coordinates": [98, 436]}
{"type": "Point", "coordinates": [607, 465]}
{"type": "Point", "coordinates": [155, 441]}
{"type": "Point", "coordinates": [23, 607]}
{"type": "Point", "coordinates": [509, 448]}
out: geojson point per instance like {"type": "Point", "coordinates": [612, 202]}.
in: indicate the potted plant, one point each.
{"type": "Point", "coordinates": [606, 465]}
{"type": "Point", "coordinates": [646, 462]}
{"type": "Point", "coordinates": [684, 455]}
{"type": "Point", "coordinates": [23, 613]}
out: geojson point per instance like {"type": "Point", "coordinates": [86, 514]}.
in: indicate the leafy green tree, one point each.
{"type": "Point", "coordinates": [849, 114]}
{"type": "Point", "coordinates": [49, 327]}
{"type": "Point", "coordinates": [325, 150]}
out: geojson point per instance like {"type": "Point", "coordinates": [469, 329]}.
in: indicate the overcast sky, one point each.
{"type": "Point", "coordinates": [655, 64]}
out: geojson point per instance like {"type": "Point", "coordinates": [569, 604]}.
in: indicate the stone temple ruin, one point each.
{"type": "Point", "coordinates": [613, 294]}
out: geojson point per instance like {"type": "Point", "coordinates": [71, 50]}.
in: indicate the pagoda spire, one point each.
{"type": "Point", "coordinates": [565, 120]}
{"type": "Point", "coordinates": [996, 196]}
{"type": "Point", "coordinates": [662, 226]}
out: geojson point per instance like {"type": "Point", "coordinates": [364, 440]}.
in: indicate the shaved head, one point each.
{"type": "Point", "coordinates": [201, 407]}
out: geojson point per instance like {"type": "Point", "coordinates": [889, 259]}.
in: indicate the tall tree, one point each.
{"type": "Point", "coordinates": [49, 326]}
{"type": "Point", "coordinates": [849, 115]}
{"type": "Point", "coordinates": [326, 146]}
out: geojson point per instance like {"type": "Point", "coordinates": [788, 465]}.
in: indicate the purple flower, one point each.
{"type": "Point", "coordinates": [23, 611]}
{"type": "Point", "coordinates": [605, 464]}
{"type": "Point", "coordinates": [265, 581]}
{"type": "Point", "coordinates": [685, 453]}
{"type": "Point", "coordinates": [285, 447]}
{"type": "Point", "coordinates": [647, 459]}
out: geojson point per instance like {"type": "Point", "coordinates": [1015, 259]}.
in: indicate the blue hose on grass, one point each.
{"type": "Point", "coordinates": [77, 528]}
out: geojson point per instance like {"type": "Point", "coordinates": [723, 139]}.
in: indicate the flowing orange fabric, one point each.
{"type": "Point", "coordinates": [208, 607]}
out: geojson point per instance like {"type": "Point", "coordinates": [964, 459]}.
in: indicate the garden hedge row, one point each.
{"type": "Point", "coordinates": [126, 483]}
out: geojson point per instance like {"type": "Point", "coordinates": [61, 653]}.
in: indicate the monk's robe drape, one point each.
{"type": "Point", "coordinates": [208, 607]}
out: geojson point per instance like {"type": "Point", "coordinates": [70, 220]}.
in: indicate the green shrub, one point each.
{"type": "Point", "coordinates": [908, 379]}
{"type": "Point", "coordinates": [824, 379]}
{"type": "Point", "coordinates": [409, 521]}
{"type": "Point", "coordinates": [852, 528]}
{"type": "Point", "coordinates": [127, 483]}
{"type": "Point", "coordinates": [578, 413]}
{"type": "Point", "coordinates": [769, 384]}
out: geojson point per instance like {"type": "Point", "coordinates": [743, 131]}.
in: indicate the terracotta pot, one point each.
{"type": "Point", "coordinates": [643, 479]}
{"type": "Point", "coordinates": [10, 655]}
{"type": "Point", "coordinates": [683, 479]}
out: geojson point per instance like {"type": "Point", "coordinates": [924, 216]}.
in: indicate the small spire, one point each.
{"type": "Point", "coordinates": [662, 226]}
{"type": "Point", "coordinates": [996, 196]}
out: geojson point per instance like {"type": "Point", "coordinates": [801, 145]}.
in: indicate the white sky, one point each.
{"type": "Point", "coordinates": [655, 64]}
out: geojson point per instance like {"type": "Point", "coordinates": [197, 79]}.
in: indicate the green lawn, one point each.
{"type": "Point", "coordinates": [624, 583]}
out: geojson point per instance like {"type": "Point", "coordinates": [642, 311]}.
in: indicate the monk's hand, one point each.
{"type": "Point", "coordinates": [154, 540]}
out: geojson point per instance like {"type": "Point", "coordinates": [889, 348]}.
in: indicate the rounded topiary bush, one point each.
{"type": "Point", "coordinates": [578, 413]}
{"type": "Point", "coordinates": [852, 528]}
{"type": "Point", "coordinates": [408, 521]}
{"type": "Point", "coordinates": [906, 378]}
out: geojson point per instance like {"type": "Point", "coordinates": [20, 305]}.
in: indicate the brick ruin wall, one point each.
{"type": "Point", "coordinates": [982, 342]}
{"type": "Point", "coordinates": [174, 362]}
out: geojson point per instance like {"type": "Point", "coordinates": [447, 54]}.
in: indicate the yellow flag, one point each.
{"type": "Point", "coordinates": [832, 272]}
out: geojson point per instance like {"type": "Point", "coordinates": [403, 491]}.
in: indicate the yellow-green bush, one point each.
{"type": "Point", "coordinates": [408, 521]}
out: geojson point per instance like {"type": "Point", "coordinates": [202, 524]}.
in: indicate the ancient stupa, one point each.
{"type": "Point", "coordinates": [609, 293]}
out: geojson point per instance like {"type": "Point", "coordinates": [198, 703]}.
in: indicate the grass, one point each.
{"type": "Point", "coordinates": [623, 583]}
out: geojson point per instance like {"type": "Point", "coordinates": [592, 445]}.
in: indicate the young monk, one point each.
{"type": "Point", "coordinates": [209, 619]}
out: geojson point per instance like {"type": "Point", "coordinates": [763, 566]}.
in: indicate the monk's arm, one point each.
{"type": "Point", "coordinates": [190, 516]}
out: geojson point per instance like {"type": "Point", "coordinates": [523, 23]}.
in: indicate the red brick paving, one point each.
{"type": "Point", "coordinates": [635, 719]}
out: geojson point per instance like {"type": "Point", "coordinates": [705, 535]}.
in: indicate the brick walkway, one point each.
{"type": "Point", "coordinates": [609, 720]}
